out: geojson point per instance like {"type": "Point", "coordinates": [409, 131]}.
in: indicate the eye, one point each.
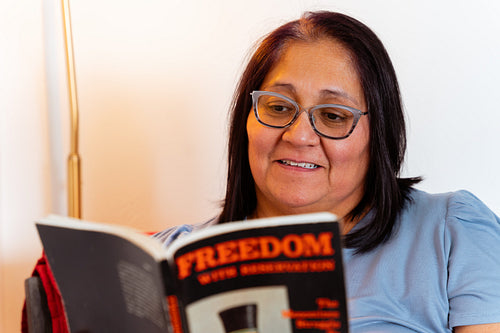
{"type": "Point", "coordinates": [276, 106]}
{"type": "Point", "coordinates": [332, 116]}
{"type": "Point", "coordinates": [279, 108]}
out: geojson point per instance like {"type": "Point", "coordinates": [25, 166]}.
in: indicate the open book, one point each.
{"type": "Point", "coordinates": [274, 275]}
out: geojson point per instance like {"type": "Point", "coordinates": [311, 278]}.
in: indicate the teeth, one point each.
{"type": "Point", "coordinates": [300, 164]}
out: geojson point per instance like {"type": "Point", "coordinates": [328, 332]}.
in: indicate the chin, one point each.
{"type": "Point", "coordinates": [301, 207]}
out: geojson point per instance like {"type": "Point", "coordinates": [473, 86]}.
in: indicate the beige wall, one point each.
{"type": "Point", "coordinates": [24, 151]}
{"type": "Point", "coordinates": [155, 79]}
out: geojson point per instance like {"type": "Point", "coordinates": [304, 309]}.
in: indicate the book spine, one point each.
{"type": "Point", "coordinates": [175, 314]}
{"type": "Point", "coordinates": [175, 308]}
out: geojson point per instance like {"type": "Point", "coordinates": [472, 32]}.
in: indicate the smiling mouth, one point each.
{"type": "Point", "coordinates": [304, 165]}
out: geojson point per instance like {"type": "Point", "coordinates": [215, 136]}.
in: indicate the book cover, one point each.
{"type": "Point", "coordinates": [279, 274]}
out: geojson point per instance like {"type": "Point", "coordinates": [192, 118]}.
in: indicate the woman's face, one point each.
{"type": "Point", "coordinates": [311, 73]}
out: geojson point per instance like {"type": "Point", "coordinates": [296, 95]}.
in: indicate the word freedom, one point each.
{"type": "Point", "coordinates": [254, 248]}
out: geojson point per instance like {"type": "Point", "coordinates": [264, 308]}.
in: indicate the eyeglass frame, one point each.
{"type": "Point", "coordinates": [299, 109]}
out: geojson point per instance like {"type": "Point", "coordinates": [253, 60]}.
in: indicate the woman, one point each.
{"type": "Point", "coordinates": [317, 125]}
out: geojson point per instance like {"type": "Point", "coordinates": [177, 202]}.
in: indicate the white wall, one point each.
{"type": "Point", "coordinates": [155, 79]}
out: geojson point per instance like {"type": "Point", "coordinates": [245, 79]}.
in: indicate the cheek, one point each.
{"type": "Point", "coordinates": [261, 139]}
{"type": "Point", "coordinates": [256, 143]}
{"type": "Point", "coordinates": [353, 153]}
{"type": "Point", "coordinates": [261, 144]}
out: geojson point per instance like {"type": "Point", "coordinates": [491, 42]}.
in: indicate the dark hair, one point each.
{"type": "Point", "coordinates": [385, 192]}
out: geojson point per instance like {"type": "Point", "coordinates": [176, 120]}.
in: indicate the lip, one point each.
{"type": "Point", "coordinates": [299, 164]}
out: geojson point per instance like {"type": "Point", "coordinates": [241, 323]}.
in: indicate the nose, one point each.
{"type": "Point", "coordinates": [301, 132]}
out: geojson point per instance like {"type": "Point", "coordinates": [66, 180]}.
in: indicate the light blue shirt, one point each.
{"type": "Point", "coordinates": [440, 269]}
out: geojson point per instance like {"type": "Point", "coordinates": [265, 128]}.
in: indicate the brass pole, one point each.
{"type": "Point", "coordinates": [74, 191]}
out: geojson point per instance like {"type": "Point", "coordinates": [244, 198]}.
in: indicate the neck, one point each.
{"type": "Point", "coordinates": [346, 224]}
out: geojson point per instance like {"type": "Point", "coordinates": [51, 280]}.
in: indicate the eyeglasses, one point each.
{"type": "Point", "coordinates": [333, 121]}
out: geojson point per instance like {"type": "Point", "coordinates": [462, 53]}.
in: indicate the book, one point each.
{"type": "Point", "coordinates": [280, 274]}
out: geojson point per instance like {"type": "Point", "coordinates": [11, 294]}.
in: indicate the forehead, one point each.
{"type": "Point", "coordinates": [323, 53]}
{"type": "Point", "coordinates": [312, 67]}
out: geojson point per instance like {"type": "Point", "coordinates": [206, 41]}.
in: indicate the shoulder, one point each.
{"type": "Point", "coordinates": [465, 207]}
{"type": "Point", "coordinates": [451, 217]}
{"type": "Point", "coordinates": [460, 217]}
{"type": "Point", "coordinates": [167, 236]}
{"type": "Point", "coordinates": [460, 206]}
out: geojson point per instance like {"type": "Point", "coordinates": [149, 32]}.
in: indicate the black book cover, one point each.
{"type": "Point", "coordinates": [281, 274]}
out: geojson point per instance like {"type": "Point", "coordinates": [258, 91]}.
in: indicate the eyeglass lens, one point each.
{"type": "Point", "coordinates": [329, 120]}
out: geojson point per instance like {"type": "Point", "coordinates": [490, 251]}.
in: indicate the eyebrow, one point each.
{"type": "Point", "coordinates": [324, 93]}
{"type": "Point", "coordinates": [339, 93]}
